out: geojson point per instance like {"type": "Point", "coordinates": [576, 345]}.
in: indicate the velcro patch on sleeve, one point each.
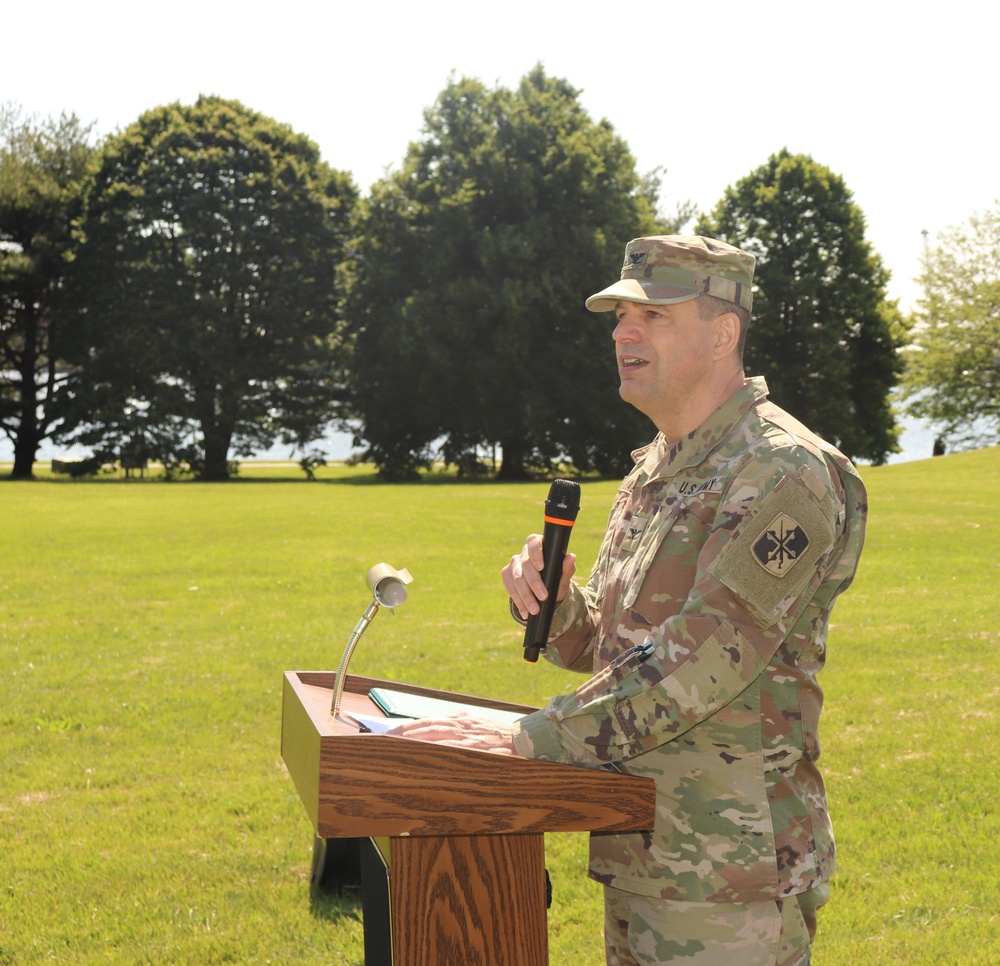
{"type": "Point", "coordinates": [781, 546]}
{"type": "Point", "coordinates": [773, 554]}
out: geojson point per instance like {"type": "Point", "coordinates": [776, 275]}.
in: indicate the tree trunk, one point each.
{"type": "Point", "coordinates": [512, 467]}
{"type": "Point", "coordinates": [28, 435]}
{"type": "Point", "coordinates": [217, 406]}
{"type": "Point", "coordinates": [216, 453]}
{"type": "Point", "coordinates": [25, 447]}
{"type": "Point", "coordinates": [216, 444]}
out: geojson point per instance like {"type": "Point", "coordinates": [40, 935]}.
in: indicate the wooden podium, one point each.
{"type": "Point", "coordinates": [466, 854]}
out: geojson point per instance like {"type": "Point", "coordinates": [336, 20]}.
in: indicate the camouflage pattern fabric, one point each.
{"type": "Point", "coordinates": [704, 625]}
{"type": "Point", "coordinates": [664, 269]}
{"type": "Point", "coordinates": [642, 931]}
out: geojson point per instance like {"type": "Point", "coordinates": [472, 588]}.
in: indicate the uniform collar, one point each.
{"type": "Point", "coordinates": [662, 460]}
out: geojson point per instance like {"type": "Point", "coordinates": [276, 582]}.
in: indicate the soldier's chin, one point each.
{"type": "Point", "coordinates": [629, 394]}
{"type": "Point", "coordinates": [629, 391]}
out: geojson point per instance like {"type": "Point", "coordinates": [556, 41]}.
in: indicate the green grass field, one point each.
{"type": "Point", "coordinates": [145, 813]}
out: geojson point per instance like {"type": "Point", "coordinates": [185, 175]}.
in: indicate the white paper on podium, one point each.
{"type": "Point", "coordinates": [402, 704]}
{"type": "Point", "coordinates": [376, 723]}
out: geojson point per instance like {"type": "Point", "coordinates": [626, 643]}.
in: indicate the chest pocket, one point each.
{"type": "Point", "coordinates": [682, 522]}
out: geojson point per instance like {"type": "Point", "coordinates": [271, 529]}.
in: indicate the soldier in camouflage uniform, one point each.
{"type": "Point", "coordinates": [703, 626]}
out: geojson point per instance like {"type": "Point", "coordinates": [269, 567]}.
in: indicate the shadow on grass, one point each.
{"type": "Point", "coordinates": [335, 909]}
{"type": "Point", "coordinates": [335, 892]}
{"type": "Point", "coordinates": [335, 905]}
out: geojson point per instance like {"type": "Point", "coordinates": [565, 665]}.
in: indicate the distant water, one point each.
{"type": "Point", "coordinates": [335, 447]}
{"type": "Point", "coordinates": [916, 440]}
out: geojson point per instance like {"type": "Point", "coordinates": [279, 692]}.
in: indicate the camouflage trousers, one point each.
{"type": "Point", "coordinates": [645, 931]}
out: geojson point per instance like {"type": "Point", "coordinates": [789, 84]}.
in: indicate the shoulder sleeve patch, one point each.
{"type": "Point", "coordinates": [772, 556]}
{"type": "Point", "coordinates": [782, 544]}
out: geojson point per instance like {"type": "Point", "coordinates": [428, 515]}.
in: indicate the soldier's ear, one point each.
{"type": "Point", "coordinates": [727, 334]}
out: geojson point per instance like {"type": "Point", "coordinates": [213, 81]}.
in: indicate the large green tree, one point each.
{"type": "Point", "coordinates": [824, 334]}
{"type": "Point", "coordinates": [42, 165]}
{"type": "Point", "coordinates": [204, 284]}
{"type": "Point", "coordinates": [953, 371]}
{"type": "Point", "coordinates": [473, 263]}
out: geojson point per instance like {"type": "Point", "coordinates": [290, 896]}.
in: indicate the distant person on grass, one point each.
{"type": "Point", "coordinates": [703, 625]}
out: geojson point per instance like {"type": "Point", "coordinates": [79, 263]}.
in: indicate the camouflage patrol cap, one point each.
{"type": "Point", "coordinates": [664, 269]}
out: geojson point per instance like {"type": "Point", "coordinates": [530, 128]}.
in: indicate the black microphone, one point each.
{"type": "Point", "coordinates": [561, 509]}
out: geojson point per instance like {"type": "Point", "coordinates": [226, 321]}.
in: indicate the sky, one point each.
{"type": "Point", "coordinates": [899, 100]}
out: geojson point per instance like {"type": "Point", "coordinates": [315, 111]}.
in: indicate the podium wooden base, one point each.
{"type": "Point", "coordinates": [468, 899]}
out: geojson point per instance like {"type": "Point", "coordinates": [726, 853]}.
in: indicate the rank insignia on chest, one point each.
{"type": "Point", "coordinates": [780, 545]}
{"type": "Point", "coordinates": [632, 531]}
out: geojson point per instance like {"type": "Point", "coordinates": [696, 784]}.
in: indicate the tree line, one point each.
{"type": "Point", "coordinates": [205, 283]}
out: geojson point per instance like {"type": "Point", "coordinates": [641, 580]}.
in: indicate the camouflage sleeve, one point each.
{"type": "Point", "coordinates": [573, 632]}
{"type": "Point", "coordinates": [777, 535]}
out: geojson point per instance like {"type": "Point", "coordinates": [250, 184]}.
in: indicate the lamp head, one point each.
{"type": "Point", "coordinates": [388, 585]}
